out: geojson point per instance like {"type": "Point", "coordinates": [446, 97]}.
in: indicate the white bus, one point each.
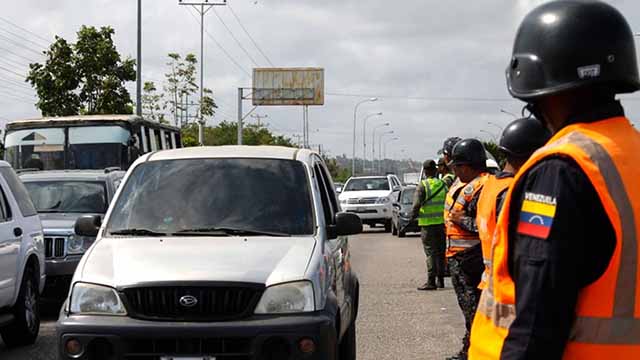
{"type": "Point", "coordinates": [85, 142]}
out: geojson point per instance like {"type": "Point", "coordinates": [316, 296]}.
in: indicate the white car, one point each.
{"type": "Point", "coordinates": [22, 266]}
{"type": "Point", "coordinates": [370, 197]}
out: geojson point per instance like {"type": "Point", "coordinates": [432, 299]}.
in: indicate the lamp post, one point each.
{"type": "Point", "coordinates": [384, 151]}
{"type": "Point", "coordinates": [496, 125]}
{"type": "Point", "coordinates": [355, 119]}
{"type": "Point", "coordinates": [364, 139]}
{"type": "Point", "coordinates": [509, 113]}
{"type": "Point", "coordinates": [373, 144]}
{"type": "Point", "coordinates": [380, 147]}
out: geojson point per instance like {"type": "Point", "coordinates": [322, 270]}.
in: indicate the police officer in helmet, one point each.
{"type": "Point", "coordinates": [464, 254]}
{"type": "Point", "coordinates": [563, 281]}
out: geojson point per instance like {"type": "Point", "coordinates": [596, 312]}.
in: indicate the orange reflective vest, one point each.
{"type": "Point", "coordinates": [487, 218]}
{"type": "Point", "coordinates": [459, 239]}
{"type": "Point", "coordinates": [607, 323]}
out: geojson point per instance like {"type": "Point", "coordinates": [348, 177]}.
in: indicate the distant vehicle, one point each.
{"type": "Point", "coordinates": [85, 142]}
{"type": "Point", "coordinates": [338, 186]}
{"type": "Point", "coordinates": [370, 197]}
{"type": "Point", "coordinates": [401, 223]}
{"type": "Point", "coordinates": [411, 178]}
{"type": "Point", "coordinates": [22, 266]}
{"type": "Point", "coordinates": [61, 197]}
{"type": "Point", "coordinates": [229, 252]}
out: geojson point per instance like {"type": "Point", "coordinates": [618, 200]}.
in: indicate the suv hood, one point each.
{"type": "Point", "coordinates": [362, 194]}
{"type": "Point", "coordinates": [59, 223]}
{"type": "Point", "coordinates": [120, 262]}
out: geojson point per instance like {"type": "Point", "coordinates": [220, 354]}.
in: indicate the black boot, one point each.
{"type": "Point", "coordinates": [429, 285]}
{"type": "Point", "coordinates": [440, 283]}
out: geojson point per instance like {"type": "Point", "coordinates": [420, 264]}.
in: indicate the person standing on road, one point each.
{"type": "Point", "coordinates": [564, 278]}
{"type": "Point", "coordinates": [445, 174]}
{"type": "Point", "coordinates": [428, 205]}
{"type": "Point", "coordinates": [464, 252]}
{"type": "Point", "coordinates": [519, 140]}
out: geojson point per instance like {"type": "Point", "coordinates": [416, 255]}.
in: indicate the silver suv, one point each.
{"type": "Point", "coordinates": [61, 197]}
{"type": "Point", "coordinates": [217, 253]}
{"type": "Point", "coordinates": [22, 267]}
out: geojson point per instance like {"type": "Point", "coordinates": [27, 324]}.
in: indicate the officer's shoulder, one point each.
{"type": "Point", "coordinates": [558, 168]}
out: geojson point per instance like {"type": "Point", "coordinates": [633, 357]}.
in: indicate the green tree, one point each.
{"type": "Point", "coordinates": [86, 77]}
{"type": "Point", "coordinates": [225, 133]}
{"type": "Point", "coordinates": [181, 85]}
{"type": "Point", "coordinates": [151, 103]}
{"type": "Point", "coordinates": [494, 150]}
{"type": "Point", "coordinates": [56, 81]}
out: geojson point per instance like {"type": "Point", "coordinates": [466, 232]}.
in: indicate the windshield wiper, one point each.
{"type": "Point", "coordinates": [141, 232]}
{"type": "Point", "coordinates": [217, 231]}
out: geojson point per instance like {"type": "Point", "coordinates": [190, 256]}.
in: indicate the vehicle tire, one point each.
{"type": "Point", "coordinates": [24, 329]}
{"type": "Point", "coordinates": [401, 234]}
{"type": "Point", "coordinates": [387, 226]}
{"type": "Point", "coordinates": [394, 229]}
{"type": "Point", "coordinates": [348, 348]}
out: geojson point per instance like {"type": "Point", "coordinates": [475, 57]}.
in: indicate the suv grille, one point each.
{"type": "Point", "coordinates": [54, 247]}
{"type": "Point", "coordinates": [211, 303]}
{"type": "Point", "coordinates": [369, 200]}
{"type": "Point", "coordinates": [231, 348]}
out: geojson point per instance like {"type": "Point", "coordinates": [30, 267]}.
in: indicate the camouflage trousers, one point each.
{"type": "Point", "coordinates": [468, 296]}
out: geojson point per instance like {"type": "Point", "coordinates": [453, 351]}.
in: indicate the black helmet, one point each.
{"type": "Point", "coordinates": [564, 45]}
{"type": "Point", "coordinates": [447, 148]}
{"type": "Point", "coordinates": [429, 164]}
{"type": "Point", "coordinates": [523, 137]}
{"type": "Point", "coordinates": [469, 152]}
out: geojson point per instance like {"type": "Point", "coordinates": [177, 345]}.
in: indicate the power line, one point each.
{"type": "Point", "coordinates": [18, 55]}
{"type": "Point", "coordinates": [12, 63]}
{"type": "Point", "coordinates": [219, 46]}
{"type": "Point", "coordinates": [249, 35]}
{"type": "Point", "coordinates": [16, 89]}
{"type": "Point", "coordinates": [23, 38]}
{"type": "Point", "coordinates": [235, 38]}
{"type": "Point", "coordinates": [424, 98]}
{"type": "Point", "coordinates": [11, 71]}
{"type": "Point", "coordinates": [16, 97]}
{"type": "Point", "coordinates": [17, 83]}
{"type": "Point", "coordinates": [25, 30]}
{"type": "Point", "coordinates": [21, 45]}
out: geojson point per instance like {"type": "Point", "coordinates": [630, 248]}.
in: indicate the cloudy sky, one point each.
{"type": "Point", "coordinates": [436, 66]}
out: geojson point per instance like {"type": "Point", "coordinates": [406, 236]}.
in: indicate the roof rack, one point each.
{"type": "Point", "coordinates": [20, 171]}
{"type": "Point", "coordinates": [112, 169]}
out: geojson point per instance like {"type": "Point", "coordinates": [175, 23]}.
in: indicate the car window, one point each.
{"type": "Point", "coordinates": [19, 192]}
{"type": "Point", "coordinates": [68, 196]}
{"type": "Point", "coordinates": [324, 196]}
{"type": "Point", "coordinates": [5, 209]}
{"type": "Point", "coordinates": [169, 196]}
{"type": "Point", "coordinates": [407, 196]}
{"type": "Point", "coordinates": [366, 184]}
{"type": "Point", "coordinates": [331, 191]}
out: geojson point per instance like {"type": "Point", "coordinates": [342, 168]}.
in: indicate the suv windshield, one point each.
{"type": "Point", "coordinates": [68, 196]}
{"type": "Point", "coordinates": [364, 184]}
{"type": "Point", "coordinates": [407, 196]}
{"type": "Point", "coordinates": [250, 196]}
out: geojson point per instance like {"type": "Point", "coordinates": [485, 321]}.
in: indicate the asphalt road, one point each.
{"type": "Point", "coordinates": [395, 320]}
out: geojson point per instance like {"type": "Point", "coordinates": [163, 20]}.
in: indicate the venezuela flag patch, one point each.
{"type": "Point", "coordinates": [536, 215]}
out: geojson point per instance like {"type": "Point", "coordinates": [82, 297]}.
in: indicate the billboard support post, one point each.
{"type": "Point", "coordinates": [239, 116]}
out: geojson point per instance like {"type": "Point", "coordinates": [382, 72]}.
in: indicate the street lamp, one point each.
{"type": "Point", "coordinates": [490, 134]}
{"type": "Point", "coordinates": [364, 138]}
{"type": "Point", "coordinates": [384, 152]}
{"type": "Point", "coordinates": [380, 147]}
{"type": "Point", "coordinates": [496, 125]}
{"type": "Point", "coordinates": [355, 119]}
{"type": "Point", "coordinates": [373, 143]}
{"type": "Point", "coordinates": [509, 113]}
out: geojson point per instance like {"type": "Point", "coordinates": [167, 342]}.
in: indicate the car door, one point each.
{"type": "Point", "coordinates": [338, 247]}
{"type": "Point", "coordinates": [9, 250]}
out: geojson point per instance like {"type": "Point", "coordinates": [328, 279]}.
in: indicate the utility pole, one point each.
{"type": "Point", "coordinates": [259, 117]}
{"type": "Point", "coordinates": [202, 8]}
{"type": "Point", "coordinates": [139, 63]}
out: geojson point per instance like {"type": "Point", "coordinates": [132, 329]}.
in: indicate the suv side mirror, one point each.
{"type": "Point", "coordinates": [88, 225]}
{"type": "Point", "coordinates": [347, 224]}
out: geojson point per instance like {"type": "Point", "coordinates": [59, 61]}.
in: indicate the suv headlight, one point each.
{"type": "Point", "coordinates": [78, 244]}
{"type": "Point", "coordinates": [382, 200]}
{"type": "Point", "coordinates": [343, 201]}
{"type": "Point", "coordinates": [95, 299]}
{"type": "Point", "coordinates": [286, 298]}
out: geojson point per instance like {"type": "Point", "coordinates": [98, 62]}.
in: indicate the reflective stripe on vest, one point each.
{"type": "Point", "coordinates": [607, 323]}
{"type": "Point", "coordinates": [431, 212]}
{"type": "Point", "coordinates": [456, 235]}
{"type": "Point", "coordinates": [487, 218]}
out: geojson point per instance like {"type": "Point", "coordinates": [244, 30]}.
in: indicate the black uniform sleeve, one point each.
{"type": "Point", "coordinates": [550, 267]}
{"type": "Point", "coordinates": [468, 222]}
{"type": "Point", "coordinates": [418, 198]}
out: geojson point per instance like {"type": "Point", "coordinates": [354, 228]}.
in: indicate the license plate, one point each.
{"type": "Point", "coordinates": [187, 358]}
{"type": "Point", "coordinates": [360, 210]}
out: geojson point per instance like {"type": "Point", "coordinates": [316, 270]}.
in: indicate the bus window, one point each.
{"type": "Point", "coordinates": [36, 148]}
{"type": "Point", "coordinates": [97, 147]}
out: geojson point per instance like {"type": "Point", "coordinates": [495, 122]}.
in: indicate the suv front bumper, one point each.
{"type": "Point", "coordinates": [127, 338]}
{"type": "Point", "coordinates": [369, 211]}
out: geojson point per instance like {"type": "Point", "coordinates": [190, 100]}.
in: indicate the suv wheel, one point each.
{"type": "Point", "coordinates": [394, 229]}
{"type": "Point", "coordinates": [24, 329]}
{"type": "Point", "coordinates": [348, 344]}
{"type": "Point", "coordinates": [402, 234]}
{"type": "Point", "coordinates": [387, 226]}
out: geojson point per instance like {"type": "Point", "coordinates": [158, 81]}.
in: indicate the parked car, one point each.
{"type": "Point", "coordinates": [61, 197]}
{"type": "Point", "coordinates": [22, 266]}
{"type": "Point", "coordinates": [401, 223]}
{"type": "Point", "coordinates": [370, 197]}
{"type": "Point", "coordinates": [217, 253]}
